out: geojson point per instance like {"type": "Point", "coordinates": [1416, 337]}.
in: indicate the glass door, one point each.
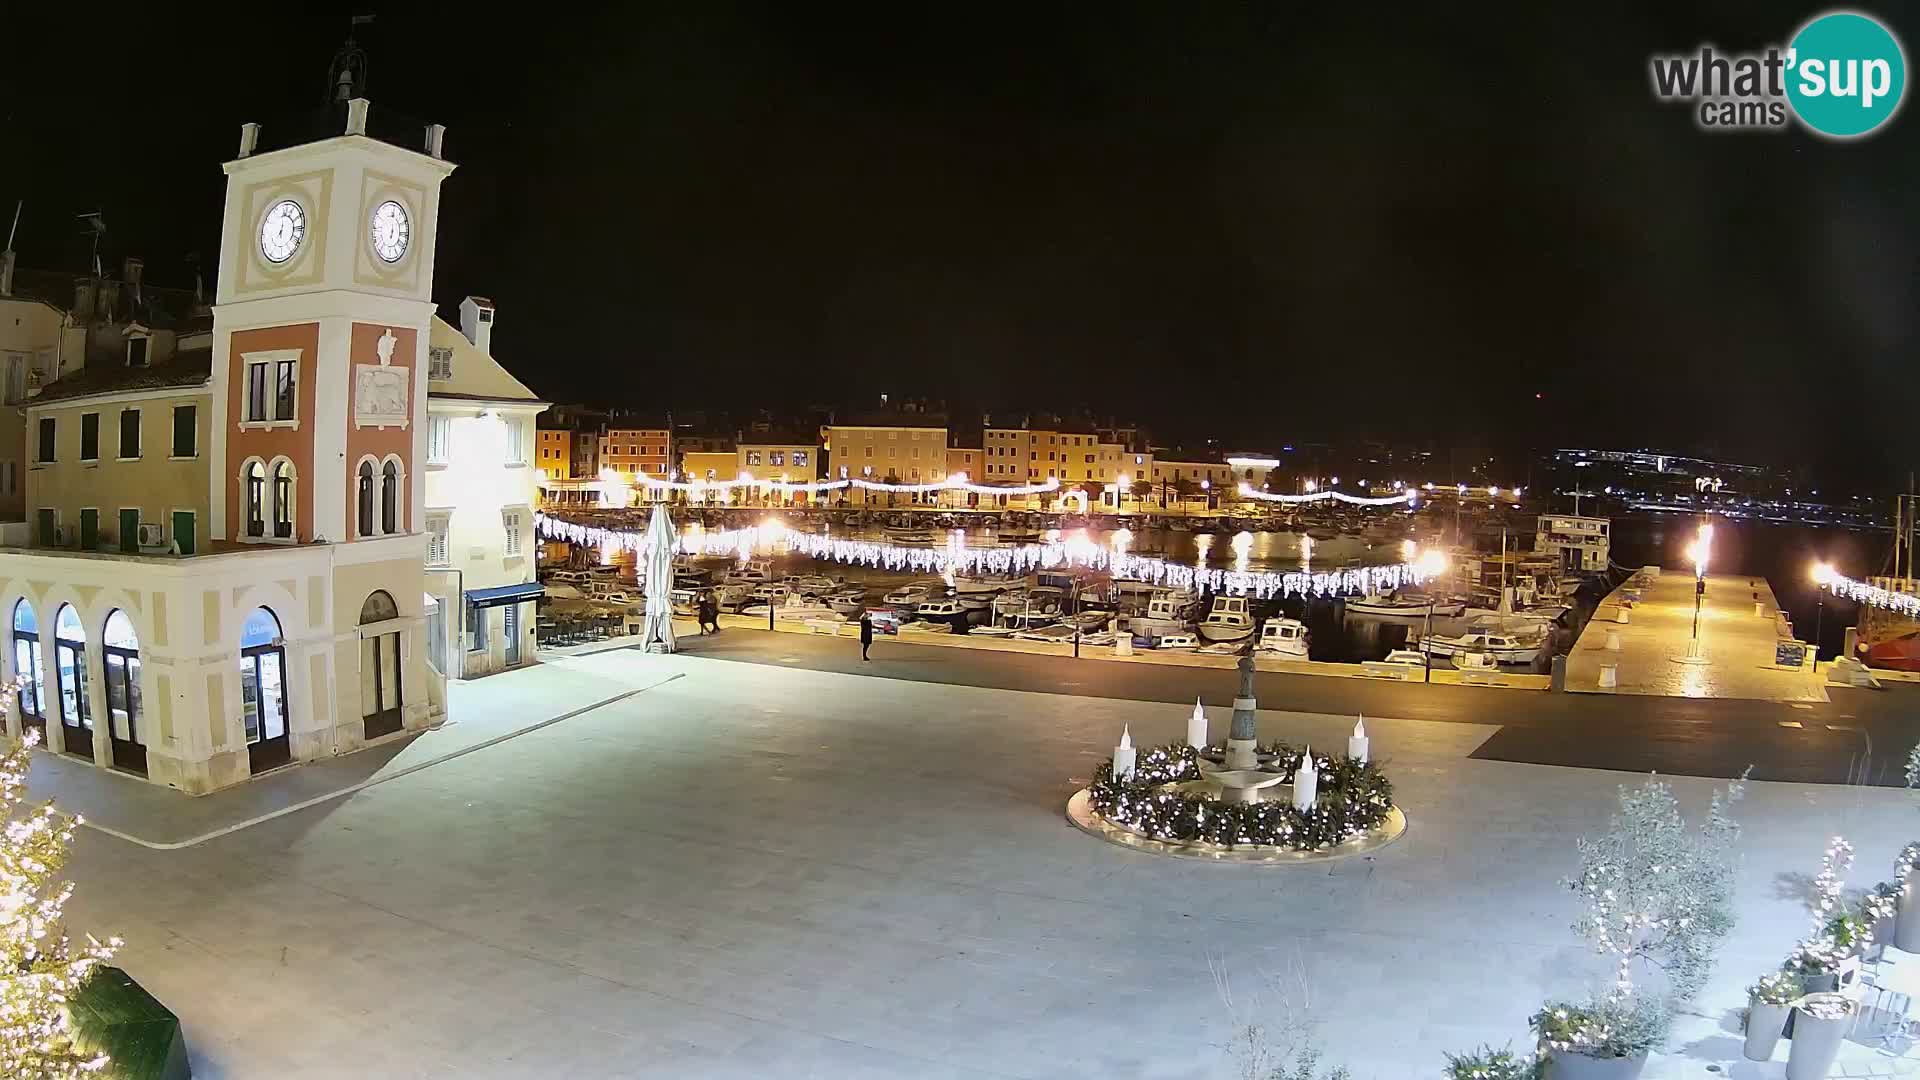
{"type": "Point", "coordinates": [76, 722]}
{"type": "Point", "coordinates": [512, 614]}
{"type": "Point", "coordinates": [263, 692]}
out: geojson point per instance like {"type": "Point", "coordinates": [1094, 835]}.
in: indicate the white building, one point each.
{"type": "Point", "coordinates": [481, 488]}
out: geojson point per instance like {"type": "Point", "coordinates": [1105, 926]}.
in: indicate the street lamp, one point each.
{"type": "Point", "coordinates": [1206, 489]}
{"type": "Point", "coordinates": [1429, 565]}
{"type": "Point", "coordinates": [1699, 551]}
{"type": "Point", "coordinates": [1122, 482]}
{"type": "Point", "coordinates": [1823, 575]}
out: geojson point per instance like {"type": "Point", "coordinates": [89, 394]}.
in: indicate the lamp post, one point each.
{"type": "Point", "coordinates": [1121, 483]}
{"type": "Point", "coordinates": [1431, 565]}
{"type": "Point", "coordinates": [1822, 574]}
{"type": "Point", "coordinates": [1700, 549]}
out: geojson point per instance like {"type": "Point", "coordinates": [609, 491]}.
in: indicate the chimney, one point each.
{"type": "Point", "coordinates": [476, 321]}
{"type": "Point", "coordinates": [6, 272]}
{"type": "Point", "coordinates": [132, 269]}
{"type": "Point", "coordinates": [357, 116]}
{"type": "Point", "coordinates": [249, 138]}
{"type": "Point", "coordinates": [436, 137]}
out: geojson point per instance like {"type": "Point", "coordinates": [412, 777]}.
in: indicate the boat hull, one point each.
{"type": "Point", "coordinates": [1221, 632]}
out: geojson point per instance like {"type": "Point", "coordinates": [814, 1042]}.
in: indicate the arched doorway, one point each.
{"type": "Point", "coordinates": [70, 668]}
{"type": "Point", "coordinates": [120, 649]}
{"type": "Point", "coordinates": [26, 661]}
{"type": "Point", "coordinates": [380, 698]}
{"type": "Point", "coordinates": [263, 690]}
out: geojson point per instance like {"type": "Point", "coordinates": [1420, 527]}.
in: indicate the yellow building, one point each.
{"type": "Point", "coordinates": [637, 450]}
{"type": "Point", "coordinates": [553, 452]}
{"type": "Point", "coordinates": [906, 452]}
{"type": "Point", "coordinates": [788, 460]}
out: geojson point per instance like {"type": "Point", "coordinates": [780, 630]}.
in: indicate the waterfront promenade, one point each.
{"type": "Point", "coordinates": [1737, 645]}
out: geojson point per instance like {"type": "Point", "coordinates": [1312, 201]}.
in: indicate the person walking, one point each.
{"type": "Point", "coordinates": [866, 634]}
{"type": "Point", "coordinates": [709, 614]}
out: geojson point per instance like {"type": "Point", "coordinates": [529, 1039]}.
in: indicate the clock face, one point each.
{"type": "Point", "coordinates": [390, 230]}
{"type": "Point", "coordinates": [282, 230]}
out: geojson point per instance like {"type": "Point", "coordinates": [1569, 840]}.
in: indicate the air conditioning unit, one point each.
{"type": "Point", "coordinates": [151, 535]}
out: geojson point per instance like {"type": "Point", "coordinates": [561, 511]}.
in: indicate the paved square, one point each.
{"type": "Point", "coordinates": [755, 871]}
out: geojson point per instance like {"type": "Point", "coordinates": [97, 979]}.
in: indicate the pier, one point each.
{"type": "Point", "coordinates": [1746, 647]}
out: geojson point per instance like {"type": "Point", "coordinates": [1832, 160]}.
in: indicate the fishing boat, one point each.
{"type": "Point", "coordinates": [909, 595]}
{"type": "Point", "coordinates": [947, 608]}
{"type": "Point", "coordinates": [1229, 620]}
{"type": "Point", "coordinates": [1169, 611]}
{"type": "Point", "coordinates": [975, 584]}
{"type": "Point", "coordinates": [911, 537]}
{"type": "Point", "coordinates": [1036, 607]}
{"type": "Point", "coordinates": [816, 584]}
{"type": "Point", "coordinates": [1406, 606]}
{"type": "Point", "coordinates": [752, 572]}
{"type": "Point", "coordinates": [1504, 648]}
{"type": "Point", "coordinates": [1286, 637]}
{"type": "Point", "coordinates": [848, 600]}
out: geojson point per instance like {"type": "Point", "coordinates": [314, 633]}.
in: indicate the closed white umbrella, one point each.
{"type": "Point", "coordinates": [659, 635]}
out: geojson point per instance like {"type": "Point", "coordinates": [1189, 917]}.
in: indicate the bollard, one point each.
{"type": "Point", "coordinates": [1621, 616]}
{"type": "Point", "coordinates": [1123, 645]}
{"type": "Point", "coordinates": [1759, 608]}
{"type": "Point", "coordinates": [1613, 641]}
{"type": "Point", "coordinates": [1609, 676]}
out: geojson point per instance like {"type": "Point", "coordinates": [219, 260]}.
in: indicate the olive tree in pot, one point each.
{"type": "Point", "coordinates": [1487, 1063]}
{"type": "Point", "coordinates": [1659, 899]}
{"type": "Point", "coordinates": [1768, 1003]}
{"type": "Point", "coordinates": [1906, 923]}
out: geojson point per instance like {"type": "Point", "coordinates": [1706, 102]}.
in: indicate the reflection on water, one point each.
{"type": "Point", "coordinates": [1242, 545]}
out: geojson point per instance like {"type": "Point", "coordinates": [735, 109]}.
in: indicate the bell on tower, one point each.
{"type": "Point", "coordinates": [347, 75]}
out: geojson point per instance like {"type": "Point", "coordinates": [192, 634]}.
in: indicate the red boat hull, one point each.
{"type": "Point", "coordinates": [1897, 654]}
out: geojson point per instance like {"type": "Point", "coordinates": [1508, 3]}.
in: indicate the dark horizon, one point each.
{"type": "Point", "coordinates": [1309, 226]}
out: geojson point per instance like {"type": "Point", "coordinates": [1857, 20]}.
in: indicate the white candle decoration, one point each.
{"type": "Point", "coordinates": [1124, 755]}
{"type": "Point", "coordinates": [1306, 781]}
{"type": "Point", "coordinates": [1357, 742]}
{"type": "Point", "coordinates": [1197, 727]}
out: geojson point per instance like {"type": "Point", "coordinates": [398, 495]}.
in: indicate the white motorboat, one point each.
{"type": "Point", "coordinates": [947, 608]}
{"type": "Point", "coordinates": [1177, 641]}
{"type": "Point", "coordinates": [985, 584]}
{"type": "Point", "coordinates": [792, 608]}
{"type": "Point", "coordinates": [1504, 648]}
{"type": "Point", "coordinates": [1408, 657]}
{"type": "Point", "coordinates": [1286, 637]}
{"type": "Point", "coordinates": [1405, 607]}
{"type": "Point", "coordinates": [686, 602]}
{"type": "Point", "coordinates": [1064, 634]}
{"type": "Point", "coordinates": [1223, 648]}
{"type": "Point", "coordinates": [815, 584]}
{"type": "Point", "coordinates": [1229, 620]}
{"type": "Point", "coordinates": [732, 597]}
{"type": "Point", "coordinates": [753, 572]}
{"type": "Point", "coordinates": [911, 595]}
{"type": "Point", "coordinates": [1169, 611]}
{"type": "Point", "coordinates": [769, 593]}
{"type": "Point", "coordinates": [993, 631]}
{"type": "Point", "coordinates": [848, 600]}
{"type": "Point", "coordinates": [921, 626]}
{"type": "Point", "coordinates": [1032, 609]}
{"type": "Point", "coordinates": [1089, 621]}
{"type": "Point", "coordinates": [912, 537]}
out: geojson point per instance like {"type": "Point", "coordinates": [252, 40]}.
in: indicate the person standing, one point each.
{"type": "Point", "coordinates": [709, 614]}
{"type": "Point", "coordinates": [866, 634]}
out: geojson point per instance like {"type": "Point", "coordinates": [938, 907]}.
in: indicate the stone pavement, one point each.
{"type": "Point", "coordinates": [1737, 644]}
{"type": "Point", "coordinates": [759, 871]}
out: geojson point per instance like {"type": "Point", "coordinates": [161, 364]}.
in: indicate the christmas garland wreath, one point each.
{"type": "Point", "coordinates": [1353, 798]}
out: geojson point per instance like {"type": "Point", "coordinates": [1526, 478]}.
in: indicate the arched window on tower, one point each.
{"type": "Point", "coordinates": [256, 493]}
{"type": "Point", "coordinates": [283, 500]}
{"type": "Point", "coordinates": [366, 498]}
{"type": "Point", "coordinates": [390, 498]}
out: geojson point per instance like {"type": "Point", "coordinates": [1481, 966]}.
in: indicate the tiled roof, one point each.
{"type": "Point", "coordinates": [189, 368]}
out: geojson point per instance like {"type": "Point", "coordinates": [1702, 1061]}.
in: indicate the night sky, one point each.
{"type": "Point", "coordinates": [1250, 221]}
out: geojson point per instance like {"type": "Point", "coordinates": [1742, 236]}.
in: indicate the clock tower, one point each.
{"type": "Point", "coordinates": [321, 321]}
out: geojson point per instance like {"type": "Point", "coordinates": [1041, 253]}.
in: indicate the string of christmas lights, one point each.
{"type": "Point", "coordinates": [1407, 498]}
{"type": "Point", "coordinates": [1872, 595]}
{"type": "Point", "coordinates": [955, 558]}
{"type": "Point", "coordinates": [956, 482]}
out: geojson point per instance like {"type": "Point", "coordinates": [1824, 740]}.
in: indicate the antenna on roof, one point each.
{"type": "Point", "coordinates": [16, 223]}
{"type": "Point", "coordinates": [94, 224]}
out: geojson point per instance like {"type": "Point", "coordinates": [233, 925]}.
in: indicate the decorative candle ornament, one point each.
{"type": "Point", "coordinates": [1305, 781]}
{"type": "Point", "coordinates": [1357, 742]}
{"type": "Point", "coordinates": [1197, 727]}
{"type": "Point", "coordinates": [1123, 755]}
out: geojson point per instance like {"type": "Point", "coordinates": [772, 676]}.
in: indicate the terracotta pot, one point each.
{"type": "Point", "coordinates": [1563, 1065]}
{"type": "Point", "coordinates": [1764, 1026]}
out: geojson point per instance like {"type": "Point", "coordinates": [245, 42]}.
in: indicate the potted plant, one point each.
{"type": "Point", "coordinates": [1769, 1001]}
{"type": "Point", "coordinates": [1606, 1039]}
{"type": "Point", "coordinates": [1820, 1024]}
{"type": "Point", "coordinates": [1906, 924]}
{"type": "Point", "coordinates": [1487, 1063]}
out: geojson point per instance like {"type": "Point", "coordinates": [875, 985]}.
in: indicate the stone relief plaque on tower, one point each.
{"type": "Point", "coordinates": [381, 391]}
